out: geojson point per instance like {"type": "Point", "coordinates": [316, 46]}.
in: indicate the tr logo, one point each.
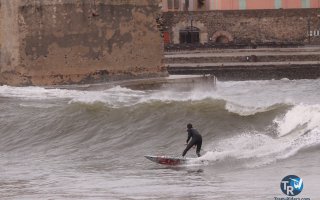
{"type": "Point", "coordinates": [291, 185]}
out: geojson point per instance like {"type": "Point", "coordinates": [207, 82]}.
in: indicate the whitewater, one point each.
{"type": "Point", "coordinates": [78, 142]}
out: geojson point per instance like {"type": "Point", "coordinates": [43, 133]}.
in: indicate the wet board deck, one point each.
{"type": "Point", "coordinates": [167, 160]}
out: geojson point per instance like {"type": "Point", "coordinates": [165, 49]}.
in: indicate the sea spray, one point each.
{"type": "Point", "coordinates": [302, 118]}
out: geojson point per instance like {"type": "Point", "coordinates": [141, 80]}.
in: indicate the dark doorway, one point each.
{"type": "Point", "coordinates": [222, 40]}
{"type": "Point", "coordinates": [189, 35]}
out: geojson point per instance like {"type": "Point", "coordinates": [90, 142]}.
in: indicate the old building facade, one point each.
{"type": "Point", "coordinates": [241, 21]}
{"type": "Point", "coordinates": [206, 5]}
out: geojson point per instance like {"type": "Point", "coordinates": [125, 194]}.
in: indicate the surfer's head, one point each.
{"type": "Point", "coordinates": [189, 126]}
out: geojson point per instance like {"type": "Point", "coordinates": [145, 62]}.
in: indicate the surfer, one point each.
{"type": "Point", "coordinates": [196, 140]}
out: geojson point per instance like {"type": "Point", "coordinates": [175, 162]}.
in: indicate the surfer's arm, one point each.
{"type": "Point", "coordinates": [189, 136]}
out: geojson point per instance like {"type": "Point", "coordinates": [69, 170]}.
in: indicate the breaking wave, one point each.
{"type": "Point", "coordinates": [250, 130]}
{"type": "Point", "coordinates": [297, 129]}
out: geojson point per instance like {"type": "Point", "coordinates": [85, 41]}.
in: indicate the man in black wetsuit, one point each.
{"type": "Point", "coordinates": [196, 140]}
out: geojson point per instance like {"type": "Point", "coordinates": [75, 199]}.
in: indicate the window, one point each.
{"type": "Point", "coordinates": [201, 3]}
{"type": "Point", "coordinates": [243, 4]}
{"type": "Point", "coordinates": [173, 4]}
{"type": "Point", "coordinates": [170, 4]}
{"type": "Point", "coordinates": [278, 4]}
{"type": "Point", "coordinates": [305, 4]}
{"type": "Point", "coordinates": [176, 4]}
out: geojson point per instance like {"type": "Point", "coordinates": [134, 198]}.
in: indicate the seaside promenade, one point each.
{"type": "Point", "coordinates": [247, 64]}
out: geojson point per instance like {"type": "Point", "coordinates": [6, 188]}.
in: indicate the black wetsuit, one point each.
{"type": "Point", "coordinates": [196, 140]}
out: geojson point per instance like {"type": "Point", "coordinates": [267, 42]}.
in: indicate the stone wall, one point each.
{"type": "Point", "coordinates": [45, 42]}
{"type": "Point", "coordinates": [0, 31]}
{"type": "Point", "coordinates": [248, 26]}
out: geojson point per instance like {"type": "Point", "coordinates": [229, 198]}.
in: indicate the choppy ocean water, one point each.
{"type": "Point", "coordinates": [78, 143]}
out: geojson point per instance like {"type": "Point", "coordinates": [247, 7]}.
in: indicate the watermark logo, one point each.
{"type": "Point", "coordinates": [291, 185]}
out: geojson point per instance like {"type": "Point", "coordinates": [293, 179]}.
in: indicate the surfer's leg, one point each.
{"type": "Point", "coordinates": [191, 143]}
{"type": "Point", "coordinates": [199, 144]}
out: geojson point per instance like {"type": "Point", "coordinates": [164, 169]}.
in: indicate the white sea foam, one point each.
{"type": "Point", "coordinates": [35, 93]}
{"type": "Point", "coordinates": [301, 118]}
{"type": "Point", "coordinates": [243, 98]}
{"type": "Point", "coordinates": [114, 96]}
{"type": "Point", "coordinates": [251, 97]}
{"type": "Point", "coordinates": [249, 110]}
{"type": "Point", "coordinates": [37, 105]}
{"type": "Point", "coordinates": [182, 96]}
{"type": "Point", "coordinates": [299, 128]}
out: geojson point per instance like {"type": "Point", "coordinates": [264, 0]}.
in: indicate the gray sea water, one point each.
{"type": "Point", "coordinates": [85, 143]}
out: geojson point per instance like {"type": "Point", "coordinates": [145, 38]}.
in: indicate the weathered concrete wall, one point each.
{"type": "Point", "coordinates": [9, 36]}
{"type": "Point", "coordinates": [47, 42]}
{"type": "Point", "coordinates": [245, 26]}
{"type": "Point", "coordinates": [0, 31]}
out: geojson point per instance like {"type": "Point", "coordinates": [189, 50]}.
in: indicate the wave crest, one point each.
{"type": "Point", "coordinates": [252, 110]}
{"type": "Point", "coordinates": [301, 118]}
